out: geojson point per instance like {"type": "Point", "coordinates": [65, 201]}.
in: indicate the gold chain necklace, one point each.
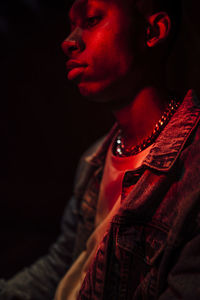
{"type": "Point", "coordinates": [121, 150]}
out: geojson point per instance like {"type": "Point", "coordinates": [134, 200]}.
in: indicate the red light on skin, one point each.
{"type": "Point", "coordinates": [120, 67]}
{"type": "Point", "coordinates": [74, 73]}
{"type": "Point", "coordinates": [75, 69]}
{"type": "Point", "coordinates": [101, 38]}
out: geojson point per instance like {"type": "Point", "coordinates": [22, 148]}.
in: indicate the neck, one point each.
{"type": "Point", "coordinates": [137, 119]}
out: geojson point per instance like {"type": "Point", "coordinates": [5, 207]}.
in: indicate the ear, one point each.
{"type": "Point", "coordinates": [158, 29]}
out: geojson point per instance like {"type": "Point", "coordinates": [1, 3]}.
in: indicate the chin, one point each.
{"type": "Point", "coordinates": [85, 91]}
{"type": "Point", "coordinates": [92, 91]}
{"type": "Point", "coordinates": [97, 92]}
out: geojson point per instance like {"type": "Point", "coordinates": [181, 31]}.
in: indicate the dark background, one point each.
{"type": "Point", "coordinates": [45, 125]}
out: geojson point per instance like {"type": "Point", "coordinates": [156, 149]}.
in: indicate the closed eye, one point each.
{"type": "Point", "coordinates": [92, 21]}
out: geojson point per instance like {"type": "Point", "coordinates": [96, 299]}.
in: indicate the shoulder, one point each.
{"type": "Point", "coordinates": [93, 148]}
{"type": "Point", "coordinates": [95, 155]}
{"type": "Point", "coordinates": [86, 165]}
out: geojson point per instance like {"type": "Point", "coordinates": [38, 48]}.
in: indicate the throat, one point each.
{"type": "Point", "coordinates": [138, 119]}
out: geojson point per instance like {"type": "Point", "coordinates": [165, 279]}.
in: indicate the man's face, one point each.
{"type": "Point", "coordinates": [103, 48]}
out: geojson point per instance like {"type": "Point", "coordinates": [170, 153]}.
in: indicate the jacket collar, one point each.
{"type": "Point", "coordinates": [172, 139]}
{"type": "Point", "coordinates": [170, 142]}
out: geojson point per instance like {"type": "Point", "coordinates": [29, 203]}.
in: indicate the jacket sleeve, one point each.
{"type": "Point", "coordinates": [39, 281]}
{"type": "Point", "coordinates": [183, 281]}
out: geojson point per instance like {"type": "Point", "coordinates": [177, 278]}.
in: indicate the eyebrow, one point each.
{"type": "Point", "coordinates": [76, 7]}
{"type": "Point", "coordinates": [79, 6]}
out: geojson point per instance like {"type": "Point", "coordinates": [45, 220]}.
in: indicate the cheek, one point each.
{"type": "Point", "coordinates": [109, 53]}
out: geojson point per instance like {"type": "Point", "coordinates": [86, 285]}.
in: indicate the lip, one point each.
{"type": "Point", "coordinates": [75, 68]}
{"type": "Point", "coordinates": [71, 64]}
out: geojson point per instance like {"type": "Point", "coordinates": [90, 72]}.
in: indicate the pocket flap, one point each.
{"type": "Point", "coordinates": [145, 241]}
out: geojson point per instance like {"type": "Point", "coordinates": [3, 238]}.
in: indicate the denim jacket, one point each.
{"type": "Point", "coordinates": [152, 249]}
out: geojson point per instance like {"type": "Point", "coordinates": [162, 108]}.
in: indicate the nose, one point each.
{"type": "Point", "coordinates": [73, 43]}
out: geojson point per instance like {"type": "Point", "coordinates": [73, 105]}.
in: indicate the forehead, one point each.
{"type": "Point", "coordinates": [79, 6]}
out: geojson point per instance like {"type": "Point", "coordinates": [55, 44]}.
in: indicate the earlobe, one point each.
{"type": "Point", "coordinates": [158, 29]}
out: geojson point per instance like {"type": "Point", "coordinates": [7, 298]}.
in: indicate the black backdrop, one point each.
{"type": "Point", "coordinates": [45, 125]}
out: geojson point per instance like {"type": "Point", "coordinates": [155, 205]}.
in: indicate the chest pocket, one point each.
{"type": "Point", "coordinates": [145, 241]}
{"type": "Point", "coordinates": [142, 246]}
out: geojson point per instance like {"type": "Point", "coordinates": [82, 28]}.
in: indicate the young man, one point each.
{"type": "Point", "coordinates": [131, 231]}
